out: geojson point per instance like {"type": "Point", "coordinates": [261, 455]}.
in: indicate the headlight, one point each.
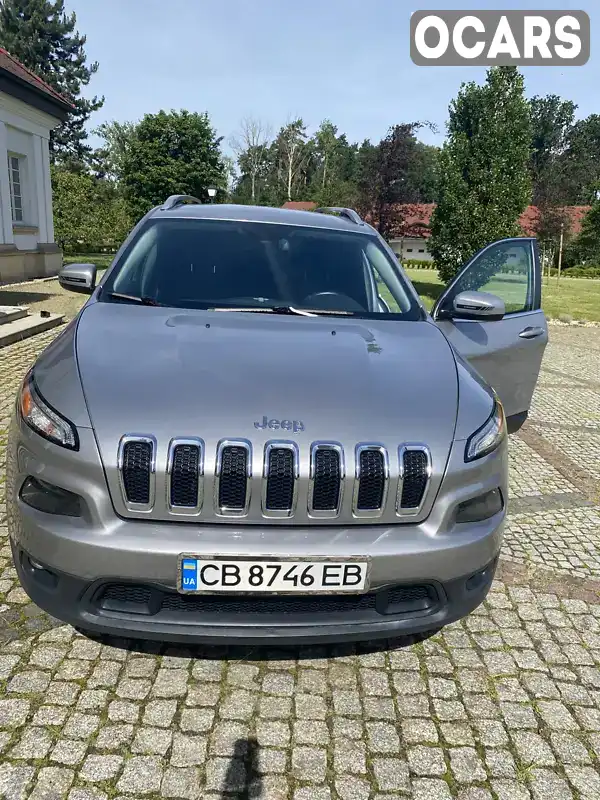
{"type": "Point", "coordinates": [489, 436]}
{"type": "Point", "coordinates": [45, 420]}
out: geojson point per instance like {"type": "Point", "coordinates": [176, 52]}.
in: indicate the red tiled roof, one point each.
{"type": "Point", "coordinates": [418, 217]}
{"type": "Point", "coordinates": [300, 205]}
{"type": "Point", "coordinates": [10, 64]}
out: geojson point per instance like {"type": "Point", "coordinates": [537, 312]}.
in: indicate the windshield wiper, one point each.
{"type": "Point", "coordinates": [290, 310]}
{"type": "Point", "coordinates": [144, 301]}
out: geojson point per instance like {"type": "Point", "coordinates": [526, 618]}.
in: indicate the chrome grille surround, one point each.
{"type": "Point", "coordinates": [269, 447]}
{"type": "Point", "coordinates": [414, 510]}
{"type": "Point", "coordinates": [336, 447]}
{"type": "Point", "coordinates": [225, 511]}
{"type": "Point", "coordinates": [389, 463]}
{"type": "Point", "coordinates": [179, 509]}
{"type": "Point", "coordinates": [132, 438]}
{"type": "Point", "coordinates": [370, 513]}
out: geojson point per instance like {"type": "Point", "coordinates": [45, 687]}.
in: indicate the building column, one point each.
{"type": "Point", "coordinates": [38, 185]}
{"type": "Point", "coordinates": [6, 231]}
{"type": "Point", "coordinates": [47, 185]}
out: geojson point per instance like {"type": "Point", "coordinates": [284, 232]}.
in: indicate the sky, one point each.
{"type": "Point", "coordinates": [346, 60]}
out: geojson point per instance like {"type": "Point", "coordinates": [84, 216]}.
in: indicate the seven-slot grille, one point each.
{"type": "Point", "coordinates": [233, 478]}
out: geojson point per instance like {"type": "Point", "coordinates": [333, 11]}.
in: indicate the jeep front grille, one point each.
{"type": "Point", "coordinates": [326, 479]}
{"type": "Point", "coordinates": [372, 477]}
{"type": "Point", "coordinates": [185, 468]}
{"type": "Point", "coordinates": [234, 470]}
{"type": "Point", "coordinates": [415, 472]}
{"type": "Point", "coordinates": [280, 478]}
{"type": "Point", "coordinates": [383, 485]}
{"type": "Point", "coordinates": [137, 463]}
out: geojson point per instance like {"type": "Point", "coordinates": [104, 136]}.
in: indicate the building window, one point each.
{"type": "Point", "coordinates": [16, 190]}
{"type": "Point", "coordinates": [421, 251]}
{"type": "Point", "coordinates": [409, 249]}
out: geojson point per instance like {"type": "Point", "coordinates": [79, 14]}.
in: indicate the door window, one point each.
{"type": "Point", "coordinates": [505, 269]}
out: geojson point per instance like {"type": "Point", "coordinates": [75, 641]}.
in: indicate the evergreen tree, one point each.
{"type": "Point", "coordinates": [42, 36]}
{"type": "Point", "coordinates": [171, 153]}
{"type": "Point", "coordinates": [484, 179]}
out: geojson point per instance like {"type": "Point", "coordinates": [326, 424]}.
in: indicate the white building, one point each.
{"type": "Point", "coordinates": [29, 110]}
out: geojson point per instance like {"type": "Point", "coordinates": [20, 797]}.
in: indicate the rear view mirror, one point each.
{"type": "Point", "coordinates": [78, 278]}
{"type": "Point", "coordinates": [482, 306]}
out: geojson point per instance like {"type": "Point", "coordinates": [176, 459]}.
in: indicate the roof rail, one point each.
{"type": "Point", "coordinates": [348, 213]}
{"type": "Point", "coordinates": [179, 200]}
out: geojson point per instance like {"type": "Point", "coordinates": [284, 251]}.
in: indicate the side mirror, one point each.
{"type": "Point", "coordinates": [78, 278]}
{"type": "Point", "coordinates": [482, 306]}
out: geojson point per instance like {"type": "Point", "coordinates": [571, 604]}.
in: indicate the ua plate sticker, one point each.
{"type": "Point", "coordinates": [189, 574]}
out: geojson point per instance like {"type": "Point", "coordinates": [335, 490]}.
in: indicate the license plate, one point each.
{"type": "Point", "coordinates": [325, 576]}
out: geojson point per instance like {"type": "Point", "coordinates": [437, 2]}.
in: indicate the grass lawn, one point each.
{"type": "Point", "coordinates": [577, 297]}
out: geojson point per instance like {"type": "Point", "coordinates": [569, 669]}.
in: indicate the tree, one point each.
{"type": "Point", "coordinates": [332, 181]}
{"type": "Point", "coordinates": [385, 177]}
{"type": "Point", "coordinates": [551, 126]}
{"type": "Point", "coordinates": [251, 145]}
{"type": "Point", "coordinates": [171, 153]}
{"type": "Point", "coordinates": [582, 168]}
{"type": "Point", "coordinates": [292, 155]}
{"type": "Point", "coordinates": [43, 37]}
{"type": "Point", "coordinates": [587, 244]}
{"type": "Point", "coordinates": [87, 211]}
{"type": "Point", "coordinates": [109, 159]}
{"type": "Point", "coordinates": [484, 180]}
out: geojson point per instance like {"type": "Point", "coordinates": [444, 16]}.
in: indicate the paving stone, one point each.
{"type": "Point", "coordinates": [426, 760]}
{"type": "Point", "coordinates": [500, 763]}
{"type": "Point", "coordinates": [349, 756]}
{"type": "Point", "coordinates": [545, 784]}
{"type": "Point", "coordinates": [419, 731]}
{"type": "Point", "coordinates": [351, 788]}
{"type": "Point", "coordinates": [100, 768]}
{"type": "Point", "coordinates": [466, 765]}
{"type": "Point", "coordinates": [13, 713]}
{"type": "Point", "coordinates": [196, 720]}
{"type": "Point", "coordinates": [569, 749]}
{"type": "Point", "coordinates": [81, 726]}
{"type": "Point", "coordinates": [141, 775]}
{"type": "Point", "coordinates": [152, 741]}
{"type": "Point", "coordinates": [170, 683]}
{"type": "Point", "coordinates": [69, 752]}
{"type": "Point", "coordinates": [585, 780]}
{"type": "Point", "coordinates": [34, 743]}
{"type": "Point", "coordinates": [391, 774]}
{"type": "Point", "coordinates": [557, 716]}
{"type": "Point", "coordinates": [510, 790]}
{"type": "Point", "coordinates": [14, 781]}
{"type": "Point", "coordinates": [532, 749]}
{"type": "Point", "coordinates": [309, 764]}
{"type": "Point", "coordinates": [114, 737]}
{"type": "Point", "coordinates": [430, 789]}
{"type": "Point", "coordinates": [188, 751]}
{"type": "Point", "coordinates": [181, 783]}
{"type": "Point", "coordinates": [230, 738]}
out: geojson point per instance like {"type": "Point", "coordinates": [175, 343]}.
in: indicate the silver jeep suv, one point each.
{"type": "Point", "coordinates": [254, 431]}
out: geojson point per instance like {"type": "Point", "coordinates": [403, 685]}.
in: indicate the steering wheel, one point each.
{"type": "Point", "coordinates": [335, 301]}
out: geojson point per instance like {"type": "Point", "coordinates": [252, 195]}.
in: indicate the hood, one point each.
{"type": "Point", "coordinates": [217, 375]}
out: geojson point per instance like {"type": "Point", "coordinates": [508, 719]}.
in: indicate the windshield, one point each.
{"type": "Point", "coordinates": [199, 263]}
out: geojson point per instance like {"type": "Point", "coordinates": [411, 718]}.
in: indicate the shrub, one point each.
{"type": "Point", "coordinates": [417, 263]}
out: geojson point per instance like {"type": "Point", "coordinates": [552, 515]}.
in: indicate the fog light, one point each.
{"type": "Point", "coordinates": [50, 499]}
{"type": "Point", "coordinates": [480, 508]}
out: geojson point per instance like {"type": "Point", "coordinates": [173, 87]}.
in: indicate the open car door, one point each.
{"type": "Point", "coordinates": [491, 313]}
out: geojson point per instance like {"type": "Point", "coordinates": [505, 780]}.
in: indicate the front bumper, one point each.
{"type": "Point", "coordinates": [155, 612]}
{"type": "Point", "coordinates": [80, 557]}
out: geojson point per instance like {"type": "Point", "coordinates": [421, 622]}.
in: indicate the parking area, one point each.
{"type": "Point", "coordinates": [504, 705]}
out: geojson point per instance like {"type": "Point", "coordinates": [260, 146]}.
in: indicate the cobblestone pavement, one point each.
{"type": "Point", "coordinates": [504, 705]}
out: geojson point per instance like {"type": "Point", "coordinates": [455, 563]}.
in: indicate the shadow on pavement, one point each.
{"type": "Point", "coordinates": [243, 779]}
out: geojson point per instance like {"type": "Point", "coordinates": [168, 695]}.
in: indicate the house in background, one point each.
{"type": "Point", "coordinates": [409, 240]}
{"type": "Point", "coordinates": [29, 110]}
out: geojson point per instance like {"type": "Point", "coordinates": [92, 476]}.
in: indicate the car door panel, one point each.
{"type": "Point", "coordinates": [507, 353]}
